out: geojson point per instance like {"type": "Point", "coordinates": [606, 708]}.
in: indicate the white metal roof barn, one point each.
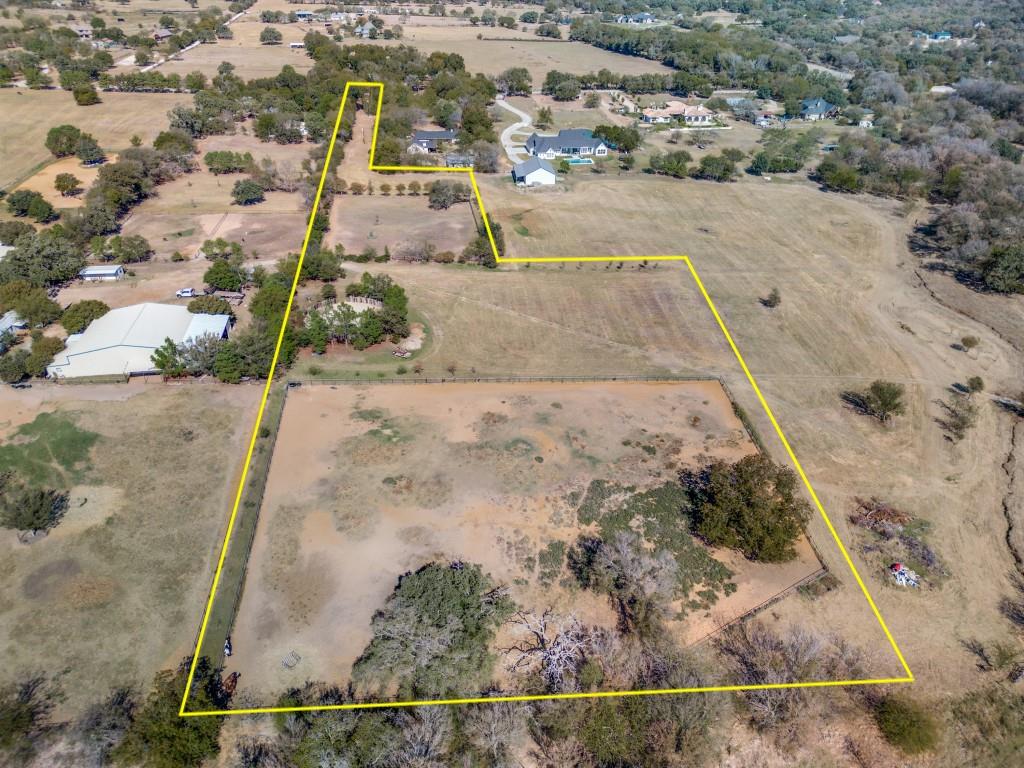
{"type": "Point", "coordinates": [122, 341]}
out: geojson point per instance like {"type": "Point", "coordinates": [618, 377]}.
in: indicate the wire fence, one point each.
{"type": "Point", "coordinates": [236, 564]}
{"type": "Point", "coordinates": [292, 382]}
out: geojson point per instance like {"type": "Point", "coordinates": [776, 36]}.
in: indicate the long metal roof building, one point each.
{"type": "Point", "coordinates": [122, 341]}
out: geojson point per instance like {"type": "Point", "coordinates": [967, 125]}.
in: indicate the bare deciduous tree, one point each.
{"type": "Point", "coordinates": [553, 645]}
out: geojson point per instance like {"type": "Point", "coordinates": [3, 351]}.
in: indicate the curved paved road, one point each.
{"type": "Point", "coordinates": [514, 149]}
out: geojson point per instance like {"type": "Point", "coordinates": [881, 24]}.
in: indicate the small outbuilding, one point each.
{"type": "Point", "coordinates": [534, 172]}
{"type": "Point", "coordinates": [102, 272]}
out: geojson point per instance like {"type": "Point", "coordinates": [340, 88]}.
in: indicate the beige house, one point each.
{"type": "Point", "coordinates": [691, 114]}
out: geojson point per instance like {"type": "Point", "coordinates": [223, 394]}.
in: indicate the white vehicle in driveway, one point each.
{"type": "Point", "coordinates": [185, 293]}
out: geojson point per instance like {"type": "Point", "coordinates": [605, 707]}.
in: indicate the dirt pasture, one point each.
{"type": "Point", "coordinates": [28, 115]}
{"type": "Point", "coordinates": [379, 221]}
{"type": "Point", "coordinates": [42, 182]}
{"type": "Point", "coordinates": [116, 591]}
{"type": "Point", "coordinates": [368, 482]}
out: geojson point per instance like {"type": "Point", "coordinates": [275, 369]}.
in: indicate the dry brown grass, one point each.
{"type": "Point", "coordinates": [116, 591]}
{"type": "Point", "coordinates": [28, 115]}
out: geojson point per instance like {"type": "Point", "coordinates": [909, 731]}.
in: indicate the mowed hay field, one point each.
{"type": "Point", "coordinates": [28, 115]}
{"type": "Point", "coordinates": [251, 58]}
{"type": "Point", "coordinates": [853, 310]}
{"type": "Point", "coordinates": [370, 482]}
{"type": "Point", "coordinates": [513, 48]}
{"type": "Point", "coordinates": [116, 591]}
{"type": "Point", "coordinates": [198, 206]}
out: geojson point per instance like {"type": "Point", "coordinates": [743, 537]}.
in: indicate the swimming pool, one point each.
{"type": "Point", "coordinates": [581, 161]}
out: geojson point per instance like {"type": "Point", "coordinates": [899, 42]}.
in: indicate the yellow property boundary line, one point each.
{"type": "Point", "coordinates": [907, 678]}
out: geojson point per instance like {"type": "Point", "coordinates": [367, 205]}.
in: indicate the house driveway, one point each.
{"type": "Point", "coordinates": [514, 148]}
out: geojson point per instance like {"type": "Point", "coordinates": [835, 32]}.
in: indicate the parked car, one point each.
{"type": "Point", "coordinates": [185, 293]}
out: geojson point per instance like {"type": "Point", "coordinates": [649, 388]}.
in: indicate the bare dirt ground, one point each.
{"type": "Point", "coordinates": [370, 482]}
{"type": "Point", "coordinates": [116, 591]}
{"type": "Point", "coordinates": [28, 115]}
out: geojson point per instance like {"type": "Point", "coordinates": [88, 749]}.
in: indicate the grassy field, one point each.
{"type": "Point", "coordinates": [244, 50]}
{"type": "Point", "coordinates": [497, 474]}
{"type": "Point", "coordinates": [115, 592]}
{"type": "Point", "coordinates": [852, 311]}
{"type": "Point", "coordinates": [500, 49]}
{"type": "Point", "coordinates": [28, 115]}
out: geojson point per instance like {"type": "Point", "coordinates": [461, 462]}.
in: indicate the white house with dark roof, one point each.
{"type": "Point", "coordinates": [534, 173]}
{"type": "Point", "coordinates": [121, 342]}
{"type": "Point", "coordinates": [423, 142]}
{"type": "Point", "coordinates": [817, 109]}
{"type": "Point", "coordinates": [572, 142]}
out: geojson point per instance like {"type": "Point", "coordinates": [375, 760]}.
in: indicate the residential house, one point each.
{"type": "Point", "coordinates": [636, 18]}
{"type": "Point", "coordinates": [534, 173]}
{"type": "Point", "coordinates": [10, 322]}
{"type": "Point", "coordinates": [162, 34]}
{"type": "Point", "coordinates": [677, 110]}
{"type": "Point", "coordinates": [365, 30]}
{"type": "Point", "coordinates": [430, 141]}
{"type": "Point", "coordinates": [867, 120]}
{"type": "Point", "coordinates": [458, 160]}
{"type": "Point", "coordinates": [304, 15]}
{"type": "Point", "coordinates": [83, 32]}
{"type": "Point", "coordinates": [572, 142]}
{"type": "Point", "coordinates": [817, 109]}
{"type": "Point", "coordinates": [763, 119]}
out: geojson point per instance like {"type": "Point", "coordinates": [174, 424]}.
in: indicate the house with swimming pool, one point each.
{"type": "Point", "coordinates": [570, 143]}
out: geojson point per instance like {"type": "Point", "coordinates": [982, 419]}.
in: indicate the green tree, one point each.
{"type": "Point", "coordinates": [23, 508]}
{"type": "Point", "coordinates": [210, 305]}
{"type": "Point", "coordinates": [270, 36]}
{"type": "Point", "coordinates": [159, 738]}
{"type": "Point", "coordinates": [167, 359]}
{"type": "Point", "coordinates": [67, 184]}
{"type": "Point", "coordinates": [35, 307]}
{"type": "Point", "coordinates": [229, 366]}
{"type": "Point", "coordinates": [26, 202]}
{"type": "Point", "coordinates": [247, 192]}
{"type": "Point", "coordinates": [85, 94]}
{"type": "Point", "coordinates": [223, 277]}
{"type": "Point", "coordinates": [975, 384]}
{"type": "Point", "coordinates": [62, 140]}
{"type": "Point", "coordinates": [43, 258]}
{"type": "Point", "coordinates": [88, 150]}
{"type": "Point", "coordinates": [40, 210]}
{"type": "Point", "coordinates": [544, 117]}
{"type": "Point", "coordinates": [1003, 271]}
{"type": "Point", "coordinates": [751, 505]}
{"type": "Point", "coordinates": [44, 348]}
{"type": "Point", "coordinates": [76, 318]}
{"type": "Point", "coordinates": [12, 366]}
{"type": "Point", "coordinates": [884, 399]}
